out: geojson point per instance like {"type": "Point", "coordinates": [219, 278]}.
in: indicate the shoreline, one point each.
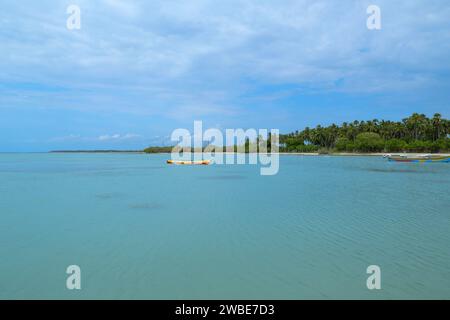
{"type": "Point", "coordinates": [341, 154]}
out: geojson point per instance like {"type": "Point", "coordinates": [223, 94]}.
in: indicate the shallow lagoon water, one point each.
{"type": "Point", "coordinates": [140, 229]}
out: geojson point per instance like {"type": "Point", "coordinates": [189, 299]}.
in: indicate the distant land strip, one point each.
{"type": "Point", "coordinates": [96, 151]}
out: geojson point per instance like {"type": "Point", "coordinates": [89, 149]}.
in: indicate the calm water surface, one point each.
{"type": "Point", "coordinates": [139, 228]}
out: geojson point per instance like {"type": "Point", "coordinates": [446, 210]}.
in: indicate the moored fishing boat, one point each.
{"type": "Point", "coordinates": [418, 158]}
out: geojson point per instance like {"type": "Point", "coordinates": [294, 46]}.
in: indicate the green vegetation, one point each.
{"type": "Point", "coordinates": [416, 133]}
{"type": "Point", "coordinates": [368, 142]}
{"type": "Point", "coordinates": [260, 144]}
{"type": "Point", "coordinates": [158, 150]}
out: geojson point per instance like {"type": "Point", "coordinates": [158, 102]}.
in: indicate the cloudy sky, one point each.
{"type": "Point", "coordinates": [136, 70]}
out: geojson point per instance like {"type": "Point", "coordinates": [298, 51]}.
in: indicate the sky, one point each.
{"type": "Point", "coordinates": [137, 70]}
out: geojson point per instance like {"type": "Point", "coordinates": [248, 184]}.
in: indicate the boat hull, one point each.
{"type": "Point", "coordinates": [421, 159]}
{"type": "Point", "coordinates": [192, 163]}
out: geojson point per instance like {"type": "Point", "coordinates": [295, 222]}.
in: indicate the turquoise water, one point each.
{"type": "Point", "coordinates": [139, 228]}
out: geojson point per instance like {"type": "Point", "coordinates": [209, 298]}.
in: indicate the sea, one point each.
{"type": "Point", "coordinates": [138, 228]}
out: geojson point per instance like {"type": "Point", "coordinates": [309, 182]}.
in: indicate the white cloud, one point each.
{"type": "Point", "coordinates": [118, 137]}
{"type": "Point", "coordinates": [173, 57]}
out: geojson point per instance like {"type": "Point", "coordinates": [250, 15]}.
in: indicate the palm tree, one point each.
{"type": "Point", "coordinates": [437, 126]}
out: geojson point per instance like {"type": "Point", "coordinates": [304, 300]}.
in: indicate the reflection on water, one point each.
{"type": "Point", "coordinates": [397, 170]}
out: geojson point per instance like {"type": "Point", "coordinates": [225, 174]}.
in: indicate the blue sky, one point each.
{"type": "Point", "coordinates": [136, 70]}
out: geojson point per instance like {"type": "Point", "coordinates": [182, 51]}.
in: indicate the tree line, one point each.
{"type": "Point", "coordinates": [416, 133]}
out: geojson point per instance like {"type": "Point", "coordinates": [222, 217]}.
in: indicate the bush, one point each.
{"type": "Point", "coordinates": [344, 144]}
{"type": "Point", "coordinates": [441, 145]}
{"type": "Point", "coordinates": [341, 144]}
{"type": "Point", "coordinates": [418, 146]}
{"type": "Point", "coordinates": [369, 142]}
{"type": "Point", "coordinates": [395, 145]}
{"type": "Point", "coordinates": [350, 147]}
{"type": "Point", "coordinates": [307, 148]}
{"type": "Point", "coordinates": [437, 146]}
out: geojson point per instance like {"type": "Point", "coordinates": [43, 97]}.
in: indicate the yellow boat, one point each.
{"type": "Point", "coordinates": [201, 162]}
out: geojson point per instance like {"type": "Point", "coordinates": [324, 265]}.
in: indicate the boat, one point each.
{"type": "Point", "coordinates": [418, 158]}
{"type": "Point", "coordinates": [201, 162]}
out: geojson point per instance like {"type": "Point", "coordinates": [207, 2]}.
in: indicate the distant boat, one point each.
{"type": "Point", "coordinates": [201, 162]}
{"type": "Point", "coordinates": [420, 158]}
